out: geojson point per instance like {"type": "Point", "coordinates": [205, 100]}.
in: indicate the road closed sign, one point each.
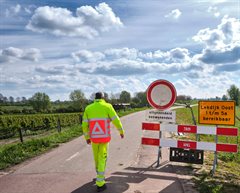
{"type": "Point", "coordinates": [161, 94]}
{"type": "Point", "coordinates": [216, 112]}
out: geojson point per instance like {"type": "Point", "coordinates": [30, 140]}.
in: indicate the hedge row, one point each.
{"type": "Point", "coordinates": [10, 123]}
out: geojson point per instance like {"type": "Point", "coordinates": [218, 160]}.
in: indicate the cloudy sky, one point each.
{"type": "Point", "coordinates": [57, 46]}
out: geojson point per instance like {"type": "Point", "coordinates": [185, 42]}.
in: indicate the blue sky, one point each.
{"type": "Point", "coordinates": [60, 46]}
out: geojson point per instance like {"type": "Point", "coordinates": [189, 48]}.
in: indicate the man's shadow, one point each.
{"type": "Point", "coordinates": [111, 188]}
{"type": "Point", "coordinates": [119, 181]}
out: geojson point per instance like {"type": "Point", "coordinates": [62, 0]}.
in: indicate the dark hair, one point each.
{"type": "Point", "coordinates": [99, 95]}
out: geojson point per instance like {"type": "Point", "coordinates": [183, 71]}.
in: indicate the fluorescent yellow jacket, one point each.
{"type": "Point", "coordinates": [96, 121]}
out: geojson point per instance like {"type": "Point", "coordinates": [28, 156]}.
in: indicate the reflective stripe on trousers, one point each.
{"type": "Point", "coordinates": [100, 153]}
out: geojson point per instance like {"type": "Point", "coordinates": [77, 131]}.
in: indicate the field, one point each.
{"type": "Point", "coordinates": [227, 176]}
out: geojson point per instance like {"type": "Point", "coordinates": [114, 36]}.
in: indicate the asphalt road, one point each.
{"type": "Point", "coordinates": [70, 167]}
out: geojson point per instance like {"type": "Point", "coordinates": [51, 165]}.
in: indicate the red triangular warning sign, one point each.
{"type": "Point", "coordinates": [97, 130]}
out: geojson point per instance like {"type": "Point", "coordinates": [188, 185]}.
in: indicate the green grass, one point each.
{"type": "Point", "coordinates": [129, 111]}
{"type": "Point", "coordinates": [227, 176]}
{"type": "Point", "coordinates": [12, 154]}
{"type": "Point", "coordinates": [15, 153]}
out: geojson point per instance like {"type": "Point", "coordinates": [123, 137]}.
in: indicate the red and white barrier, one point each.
{"type": "Point", "coordinates": [190, 144]}
{"type": "Point", "coordinates": [210, 130]}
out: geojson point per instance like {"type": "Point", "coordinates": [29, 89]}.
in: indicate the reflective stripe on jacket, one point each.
{"type": "Point", "coordinates": [96, 121]}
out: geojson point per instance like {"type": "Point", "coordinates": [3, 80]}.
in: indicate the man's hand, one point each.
{"type": "Point", "coordinates": [88, 141]}
{"type": "Point", "coordinates": [122, 136]}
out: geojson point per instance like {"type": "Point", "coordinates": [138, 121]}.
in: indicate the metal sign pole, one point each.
{"type": "Point", "coordinates": [215, 156]}
{"type": "Point", "coordinates": [194, 120]}
{"type": "Point", "coordinates": [159, 148]}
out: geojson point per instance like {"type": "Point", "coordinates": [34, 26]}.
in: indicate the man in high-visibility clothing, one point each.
{"type": "Point", "coordinates": [96, 129]}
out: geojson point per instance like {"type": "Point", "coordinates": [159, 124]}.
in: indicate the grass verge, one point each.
{"type": "Point", "coordinates": [12, 154]}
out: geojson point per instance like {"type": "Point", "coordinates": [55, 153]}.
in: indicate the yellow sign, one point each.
{"type": "Point", "coordinates": [216, 112]}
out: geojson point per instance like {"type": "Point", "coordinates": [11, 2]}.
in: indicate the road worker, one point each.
{"type": "Point", "coordinates": [96, 129]}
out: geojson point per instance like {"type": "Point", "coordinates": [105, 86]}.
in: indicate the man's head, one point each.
{"type": "Point", "coordinates": [99, 95]}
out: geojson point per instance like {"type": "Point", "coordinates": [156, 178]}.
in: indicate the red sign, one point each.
{"type": "Point", "coordinates": [161, 94]}
{"type": "Point", "coordinates": [151, 126]}
{"type": "Point", "coordinates": [150, 141]}
{"type": "Point", "coordinates": [187, 128]}
{"type": "Point", "coordinates": [187, 144]}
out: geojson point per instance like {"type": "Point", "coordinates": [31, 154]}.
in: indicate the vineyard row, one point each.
{"type": "Point", "coordinates": [10, 123]}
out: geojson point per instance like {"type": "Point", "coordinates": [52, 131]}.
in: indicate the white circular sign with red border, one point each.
{"type": "Point", "coordinates": [161, 94]}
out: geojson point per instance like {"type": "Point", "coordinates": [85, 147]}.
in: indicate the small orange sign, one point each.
{"type": "Point", "coordinates": [216, 112]}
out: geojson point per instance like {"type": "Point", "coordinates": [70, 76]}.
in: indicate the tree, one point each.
{"type": "Point", "coordinates": [11, 99]}
{"type": "Point", "coordinates": [113, 99]}
{"type": "Point", "coordinates": [106, 97]}
{"type": "Point", "coordinates": [184, 98]}
{"type": "Point", "coordinates": [78, 99]}
{"type": "Point", "coordinates": [125, 97]}
{"type": "Point", "coordinates": [140, 99]}
{"type": "Point", "coordinates": [1, 98]}
{"type": "Point", "coordinates": [24, 99]}
{"type": "Point", "coordinates": [40, 102]}
{"type": "Point", "coordinates": [18, 99]}
{"type": "Point", "coordinates": [224, 97]}
{"type": "Point", "coordinates": [234, 94]}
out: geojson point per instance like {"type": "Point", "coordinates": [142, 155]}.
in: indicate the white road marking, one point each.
{"type": "Point", "coordinates": [73, 156]}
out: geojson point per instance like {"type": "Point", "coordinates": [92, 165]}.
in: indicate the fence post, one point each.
{"type": "Point", "coordinates": [20, 134]}
{"type": "Point", "coordinates": [80, 119]}
{"type": "Point", "coordinates": [58, 125]}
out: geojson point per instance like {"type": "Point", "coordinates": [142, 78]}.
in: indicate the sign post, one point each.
{"type": "Point", "coordinates": [161, 95]}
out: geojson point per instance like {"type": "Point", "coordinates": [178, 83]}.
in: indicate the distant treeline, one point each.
{"type": "Point", "coordinates": [41, 102]}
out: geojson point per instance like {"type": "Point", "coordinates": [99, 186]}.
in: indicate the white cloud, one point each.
{"type": "Point", "coordinates": [226, 34]}
{"type": "Point", "coordinates": [175, 14]}
{"type": "Point", "coordinates": [230, 55]}
{"type": "Point", "coordinates": [14, 10]}
{"type": "Point", "coordinates": [11, 54]}
{"type": "Point", "coordinates": [231, 30]}
{"type": "Point", "coordinates": [101, 18]}
{"type": "Point", "coordinates": [29, 9]}
{"type": "Point", "coordinates": [206, 86]}
{"type": "Point", "coordinates": [126, 61]}
{"type": "Point", "coordinates": [56, 70]}
{"type": "Point", "coordinates": [213, 39]}
{"type": "Point", "coordinates": [222, 45]}
{"type": "Point", "coordinates": [213, 10]}
{"type": "Point", "coordinates": [87, 56]}
{"type": "Point", "coordinates": [87, 23]}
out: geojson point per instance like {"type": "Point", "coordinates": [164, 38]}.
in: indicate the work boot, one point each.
{"type": "Point", "coordinates": [102, 188]}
